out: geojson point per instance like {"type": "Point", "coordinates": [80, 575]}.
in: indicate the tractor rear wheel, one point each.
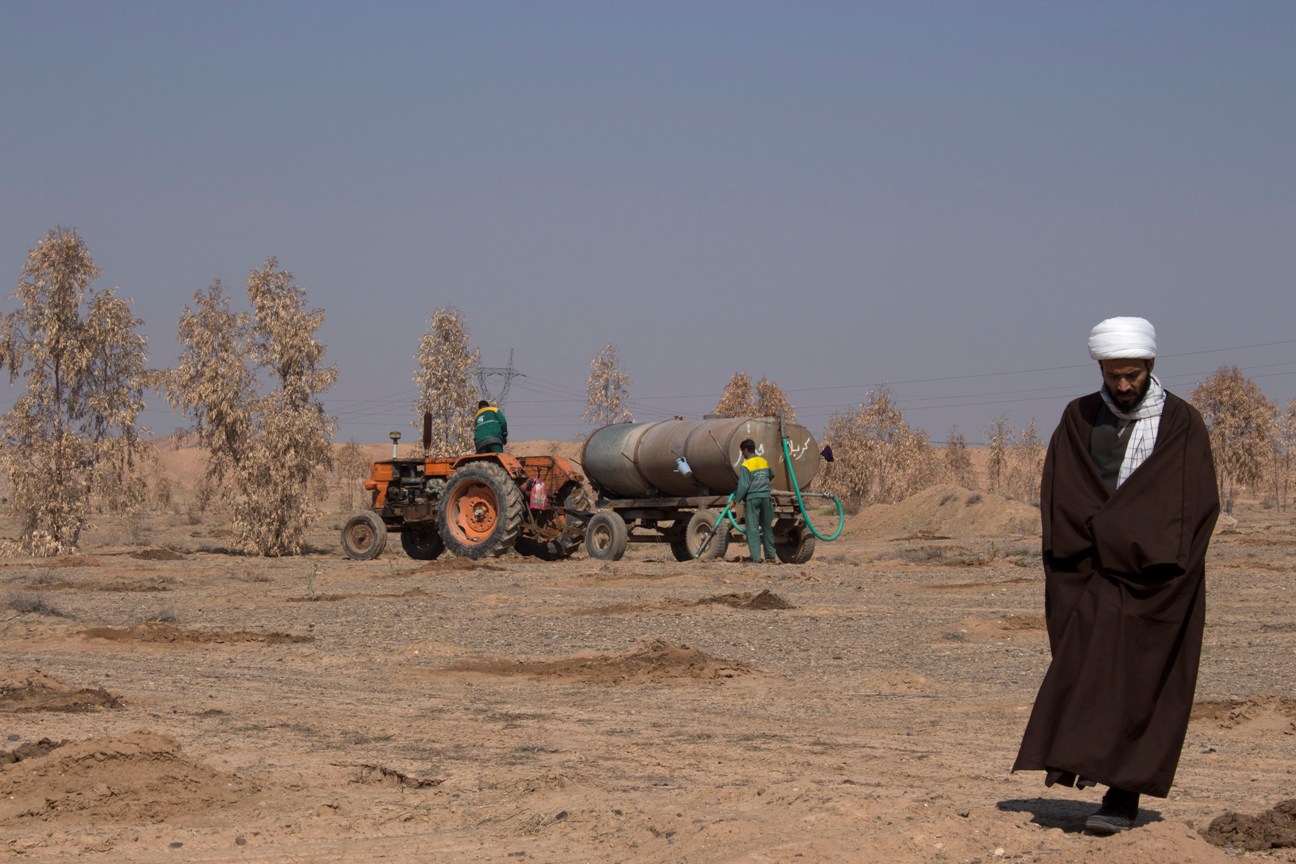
{"type": "Point", "coordinates": [481, 511]}
{"type": "Point", "coordinates": [364, 536]}
{"type": "Point", "coordinates": [545, 550]}
{"type": "Point", "coordinates": [606, 536]}
{"type": "Point", "coordinates": [422, 542]}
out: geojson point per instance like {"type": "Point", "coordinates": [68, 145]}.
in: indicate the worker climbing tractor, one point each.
{"type": "Point", "coordinates": [490, 429]}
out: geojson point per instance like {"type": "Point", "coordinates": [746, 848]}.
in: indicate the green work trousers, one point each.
{"type": "Point", "coordinates": [760, 526]}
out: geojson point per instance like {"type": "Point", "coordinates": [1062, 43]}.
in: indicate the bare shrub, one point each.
{"type": "Point", "coordinates": [1284, 441]}
{"type": "Point", "coordinates": [958, 463]}
{"type": "Point", "coordinates": [136, 531]}
{"type": "Point", "coordinates": [1241, 425]}
{"type": "Point", "coordinates": [737, 399]}
{"type": "Point", "coordinates": [443, 373]}
{"type": "Point", "coordinates": [29, 603]}
{"type": "Point", "coordinates": [607, 389]}
{"type": "Point", "coordinates": [162, 490]}
{"type": "Point", "coordinates": [81, 357]}
{"type": "Point", "coordinates": [878, 457]}
{"type": "Point", "coordinates": [999, 438]}
{"type": "Point", "coordinates": [1025, 465]}
{"type": "Point", "coordinates": [353, 469]}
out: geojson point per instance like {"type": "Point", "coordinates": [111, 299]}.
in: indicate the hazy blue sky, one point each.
{"type": "Point", "coordinates": [942, 197]}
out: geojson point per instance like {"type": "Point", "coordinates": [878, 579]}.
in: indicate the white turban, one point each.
{"type": "Point", "coordinates": [1122, 339]}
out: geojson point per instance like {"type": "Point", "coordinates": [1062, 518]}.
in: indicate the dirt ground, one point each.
{"type": "Point", "coordinates": [164, 700]}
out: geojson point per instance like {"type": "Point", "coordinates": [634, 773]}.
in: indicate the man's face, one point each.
{"type": "Point", "coordinates": [1127, 380]}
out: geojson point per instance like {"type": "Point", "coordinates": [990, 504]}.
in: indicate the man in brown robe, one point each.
{"type": "Point", "coordinates": [1128, 501]}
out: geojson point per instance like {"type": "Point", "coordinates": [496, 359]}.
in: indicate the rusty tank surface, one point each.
{"type": "Point", "coordinates": [693, 457]}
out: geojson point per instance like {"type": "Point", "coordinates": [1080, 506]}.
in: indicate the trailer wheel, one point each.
{"type": "Point", "coordinates": [701, 525]}
{"type": "Point", "coordinates": [677, 536]}
{"type": "Point", "coordinates": [606, 536]}
{"type": "Point", "coordinates": [364, 536]}
{"type": "Point", "coordinates": [796, 546]}
{"type": "Point", "coordinates": [481, 511]}
{"type": "Point", "coordinates": [422, 542]}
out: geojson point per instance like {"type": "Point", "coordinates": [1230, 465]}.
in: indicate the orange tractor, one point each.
{"type": "Point", "coordinates": [476, 506]}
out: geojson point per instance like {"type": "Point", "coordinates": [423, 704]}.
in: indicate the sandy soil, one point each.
{"type": "Point", "coordinates": [164, 700]}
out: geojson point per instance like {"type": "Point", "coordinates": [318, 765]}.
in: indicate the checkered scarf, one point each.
{"type": "Point", "coordinates": [1147, 420]}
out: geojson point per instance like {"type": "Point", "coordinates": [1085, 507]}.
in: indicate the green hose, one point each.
{"type": "Point", "coordinates": [796, 487]}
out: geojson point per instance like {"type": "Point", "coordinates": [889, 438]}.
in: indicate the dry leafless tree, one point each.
{"type": "Point", "coordinates": [265, 449]}
{"type": "Point", "coordinates": [767, 400]}
{"type": "Point", "coordinates": [443, 373]}
{"type": "Point", "coordinates": [607, 389]}
{"type": "Point", "coordinates": [1241, 423]}
{"type": "Point", "coordinates": [214, 385]}
{"type": "Point", "coordinates": [737, 399]}
{"type": "Point", "coordinates": [81, 357]}
{"type": "Point", "coordinates": [770, 401]}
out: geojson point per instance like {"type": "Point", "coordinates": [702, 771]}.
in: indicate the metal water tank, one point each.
{"type": "Point", "coordinates": [641, 460]}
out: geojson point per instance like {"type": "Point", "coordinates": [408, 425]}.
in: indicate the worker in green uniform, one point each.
{"type": "Point", "coordinates": [490, 429]}
{"type": "Point", "coordinates": [754, 477]}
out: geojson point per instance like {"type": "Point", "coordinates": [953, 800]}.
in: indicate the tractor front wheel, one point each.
{"type": "Point", "coordinates": [422, 542]}
{"type": "Point", "coordinates": [481, 511]}
{"type": "Point", "coordinates": [364, 536]}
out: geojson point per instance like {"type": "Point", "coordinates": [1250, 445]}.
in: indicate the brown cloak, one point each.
{"type": "Point", "coordinates": [1125, 603]}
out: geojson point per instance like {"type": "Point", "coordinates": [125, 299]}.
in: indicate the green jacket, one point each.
{"type": "Point", "coordinates": [490, 427]}
{"type": "Point", "coordinates": [753, 479]}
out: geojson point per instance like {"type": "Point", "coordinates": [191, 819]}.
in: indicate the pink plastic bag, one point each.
{"type": "Point", "coordinates": [539, 496]}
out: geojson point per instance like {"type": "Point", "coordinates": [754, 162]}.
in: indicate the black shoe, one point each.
{"type": "Point", "coordinates": [1110, 820]}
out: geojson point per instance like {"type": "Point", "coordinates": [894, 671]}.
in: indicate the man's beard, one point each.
{"type": "Point", "coordinates": [1130, 401]}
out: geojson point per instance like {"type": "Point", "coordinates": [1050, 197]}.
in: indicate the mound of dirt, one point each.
{"type": "Point", "coordinates": [652, 662]}
{"type": "Point", "coordinates": [34, 750]}
{"type": "Point", "coordinates": [974, 629]}
{"type": "Point", "coordinates": [158, 553]}
{"type": "Point", "coordinates": [1261, 713]}
{"type": "Point", "coordinates": [1154, 843]}
{"type": "Point", "coordinates": [946, 511]}
{"type": "Point", "coordinates": [32, 690]}
{"type": "Point", "coordinates": [139, 777]}
{"type": "Point", "coordinates": [765, 599]}
{"type": "Point", "coordinates": [1273, 829]}
{"type": "Point", "coordinates": [157, 631]}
